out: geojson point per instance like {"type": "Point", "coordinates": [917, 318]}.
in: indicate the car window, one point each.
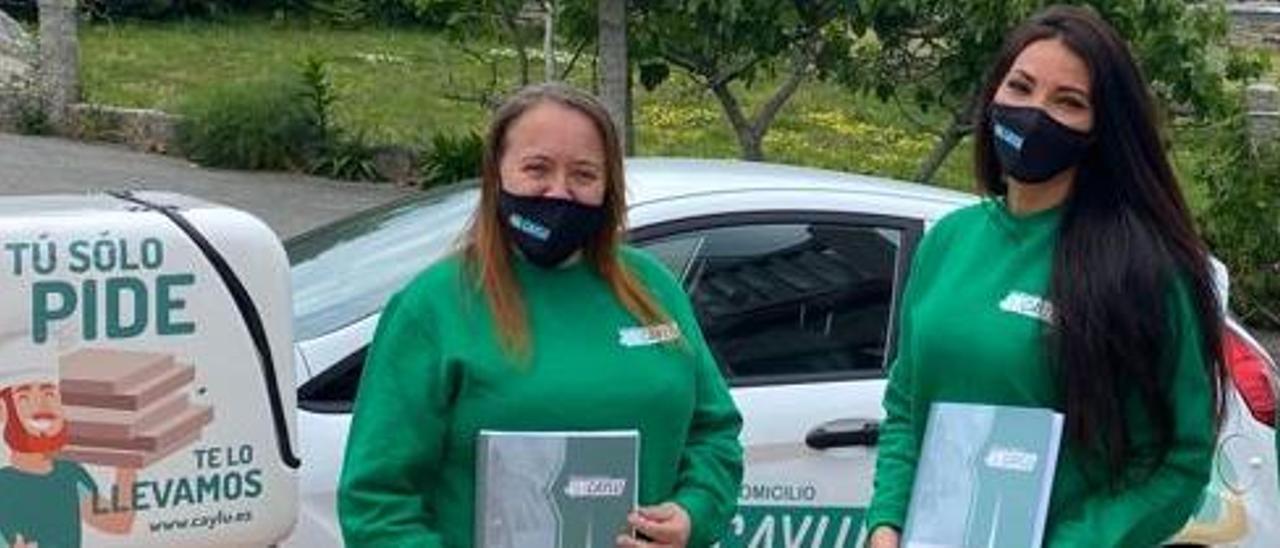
{"type": "Point", "coordinates": [347, 271]}
{"type": "Point", "coordinates": [789, 301]}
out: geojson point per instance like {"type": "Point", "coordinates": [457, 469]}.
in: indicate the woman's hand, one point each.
{"type": "Point", "coordinates": [666, 526]}
{"type": "Point", "coordinates": [883, 537]}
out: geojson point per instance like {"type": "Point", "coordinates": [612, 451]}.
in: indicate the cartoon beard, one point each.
{"type": "Point", "coordinates": [22, 441]}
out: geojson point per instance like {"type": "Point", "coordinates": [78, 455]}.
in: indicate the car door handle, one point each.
{"type": "Point", "coordinates": [844, 433]}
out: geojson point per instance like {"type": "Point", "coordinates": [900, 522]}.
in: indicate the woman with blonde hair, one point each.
{"type": "Point", "coordinates": [544, 321]}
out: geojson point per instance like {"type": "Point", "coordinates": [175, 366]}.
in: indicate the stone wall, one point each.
{"type": "Point", "coordinates": [17, 73]}
{"type": "Point", "coordinates": [1256, 23]}
{"type": "Point", "coordinates": [144, 130]}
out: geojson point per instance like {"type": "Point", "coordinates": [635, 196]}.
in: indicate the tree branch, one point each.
{"type": "Point", "coordinates": [733, 110]}
{"type": "Point", "coordinates": [919, 124]}
{"type": "Point", "coordinates": [961, 126]}
{"type": "Point", "coordinates": [770, 109]}
{"type": "Point", "coordinates": [485, 96]}
{"type": "Point", "coordinates": [686, 63]}
{"type": "Point", "coordinates": [801, 66]}
{"type": "Point", "coordinates": [573, 61]}
{"type": "Point", "coordinates": [731, 74]}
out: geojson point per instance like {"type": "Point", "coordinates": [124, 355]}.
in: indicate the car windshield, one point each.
{"type": "Point", "coordinates": [346, 271]}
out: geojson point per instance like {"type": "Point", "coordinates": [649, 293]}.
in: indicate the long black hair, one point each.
{"type": "Point", "coordinates": [1125, 246]}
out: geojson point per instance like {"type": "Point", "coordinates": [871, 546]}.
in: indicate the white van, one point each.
{"type": "Point", "coordinates": [146, 374]}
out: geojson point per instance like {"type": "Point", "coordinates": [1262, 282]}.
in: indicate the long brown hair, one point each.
{"type": "Point", "coordinates": [487, 248]}
{"type": "Point", "coordinates": [1126, 244]}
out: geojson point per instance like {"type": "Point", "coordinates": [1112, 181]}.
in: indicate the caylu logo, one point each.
{"type": "Point", "coordinates": [1013, 459]}
{"type": "Point", "coordinates": [648, 335]}
{"type": "Point", "coordinates": [529, 227]}
{"type": "Point", "coordinates": [1028, 305]}
{"type": "Point", "coordinates": [1009, 136]}
{"type": "Point", "coordinates": [595, 487]}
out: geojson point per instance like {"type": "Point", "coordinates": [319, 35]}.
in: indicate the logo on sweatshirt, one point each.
{"type": "Point", "coordinates": [648, 335]}
{"type": "Point", "coordinates": [1026, 304]}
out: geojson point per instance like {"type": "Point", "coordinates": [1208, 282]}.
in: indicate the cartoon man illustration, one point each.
{"type": "Point", "coordinates": [44, 499]}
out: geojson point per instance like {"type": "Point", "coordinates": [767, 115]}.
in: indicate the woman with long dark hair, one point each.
{"type": "Point", "coordinates": [1078, 284]}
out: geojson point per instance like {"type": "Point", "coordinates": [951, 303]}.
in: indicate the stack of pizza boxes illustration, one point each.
{"type": "Point", "coordinates": [128, 408]}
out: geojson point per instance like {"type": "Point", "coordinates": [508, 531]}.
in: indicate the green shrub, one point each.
{"type": "Point", "coordinates": [343, 14]}
{"type": "Point", "coordinates": [333, 153]}
{"type": "Point", "coordinates": [254, 125]}
{"type": "Point", "coordinates": [319, 96]}
{"type": "Point", "coordinates": [347, 157]}
{"type": "Point", "coordinates": [174, 9]}
{"type": "Point", "coordinates": [32, 119]}
{"type": "Point", "coordinates": [435, 14]}
{"type": "Point", "coordinates": [451, 158]}
{"type": "Point", "coordinates": [1242, 220]}
{"type": "Point", "coordinates": [280, 123]}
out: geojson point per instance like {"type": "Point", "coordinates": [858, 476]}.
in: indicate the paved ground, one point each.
{"type": "Point", "coordinates": [289, 203]}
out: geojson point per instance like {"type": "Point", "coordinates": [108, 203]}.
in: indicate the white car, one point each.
{"type": "Point", "coordinates": [795, 274]}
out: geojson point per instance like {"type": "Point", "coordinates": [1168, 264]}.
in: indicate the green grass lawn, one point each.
{"type": "Point", "coordinates": [390, 82]}
{"type": "Point", "coordinates": [394, 85]}
{"type": "Point", "coordinates": [823, 125]}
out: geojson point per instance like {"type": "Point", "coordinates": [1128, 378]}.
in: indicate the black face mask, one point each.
{"type": "Point", "coordinates": [1032, 146]}
{"type": "Point", "coordinates": [548, 230]}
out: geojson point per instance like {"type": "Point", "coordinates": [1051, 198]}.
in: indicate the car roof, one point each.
{"type": "Point", "coordinates": [658, 179]}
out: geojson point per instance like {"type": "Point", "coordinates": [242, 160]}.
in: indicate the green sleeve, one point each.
{"type": "Point", "coordinates": [1150, 509]}
{"type": "Point", "coordinates": [388, 469]}
{"type": "Point", "coordinates": [711, 467]}
{"type": "Point", "coordinates": [898, 448]}
{"type": "Point", "coordinates": [710, 474]}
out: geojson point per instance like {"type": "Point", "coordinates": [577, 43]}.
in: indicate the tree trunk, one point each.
{"type": "Point", "coordinates": [748, 140]}
{"type": "Point", "coordinates": [751, 132]}
{"type": "Point", "coordinates": [549, 41]}
{"type": "Point", "coordinates": [752, 144]}
{"type": "Point", "coordinates": [614, 66]}
{"type": "Point", "coordinates": [59, 65]}
{"type": "Point", "coordinates": [753, 148]}
{"type": "Point", "coordinates": [950, 139]}
{"type": "Point", "coordinates": [523, 55]}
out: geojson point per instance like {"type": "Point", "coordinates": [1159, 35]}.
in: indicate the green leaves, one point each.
{"type": "Point", "coordinates": [653, 73]}
{"type": "Point", "coordinates": [284, 122]}
{"type": "Point", "coordinates": [248, 125]}
{"type": "Point", "coordinates": [450, 158]}
{"type": "Point", "coordinates": [1242, 220]}
{"type": "Point", "coordinates": [318, 94]}
{"type": "Point", "coordinates": [944, 46]}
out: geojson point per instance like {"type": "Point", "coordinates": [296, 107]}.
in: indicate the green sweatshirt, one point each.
{"type": "Point", "coordinates": [435, 376]}
{"type": "Point", "coordinates": [971, 330]}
